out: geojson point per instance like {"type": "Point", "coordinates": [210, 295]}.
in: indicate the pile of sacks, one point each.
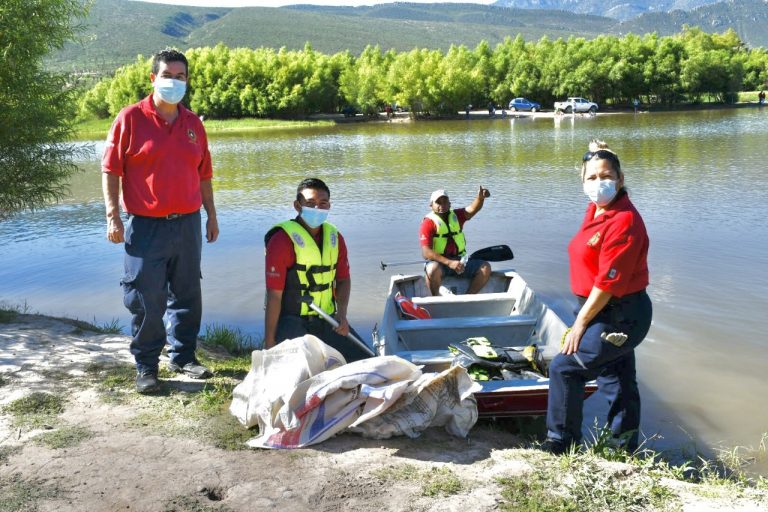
{"type": "Point", "coordinates": [302, 392]}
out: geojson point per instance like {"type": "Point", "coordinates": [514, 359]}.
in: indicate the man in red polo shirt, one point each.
{"type": "Point", "coordinates": [158, 150]}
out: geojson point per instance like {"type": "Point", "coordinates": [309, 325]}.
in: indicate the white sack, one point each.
{"type": "Point", "coordinates": [300, 394]}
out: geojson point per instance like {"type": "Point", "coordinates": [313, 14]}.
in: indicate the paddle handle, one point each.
{"type": "Point", "coordinates": [328, 318]}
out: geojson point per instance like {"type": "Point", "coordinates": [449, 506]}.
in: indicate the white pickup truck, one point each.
{"type": "Point", "coordinates": [573, 105]}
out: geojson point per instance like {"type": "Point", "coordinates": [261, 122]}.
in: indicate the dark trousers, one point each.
{"type": "Point", "coordinates": [612, 366]}
{"type": "Point", "coordinates": [161, 287]}
{"type": "Point", "coordinates": [292, 326]}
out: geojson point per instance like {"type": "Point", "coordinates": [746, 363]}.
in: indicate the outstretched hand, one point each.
{"type": "Point", "coordinates": [483, 192]}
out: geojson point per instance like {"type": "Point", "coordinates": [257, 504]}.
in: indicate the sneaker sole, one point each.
{"type": "Point", "coordinates": [151, 390]}
{"type": "Point", "coordinates": [179, 369]}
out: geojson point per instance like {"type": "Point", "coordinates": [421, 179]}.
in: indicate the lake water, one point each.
{"type": "Point", "coordinates": [698, 178]}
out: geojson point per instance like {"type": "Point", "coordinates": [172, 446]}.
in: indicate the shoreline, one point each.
{"type": "Point", "coordinates": [105, 447]}
{"type": "Point", "coordinates": [97, 129]}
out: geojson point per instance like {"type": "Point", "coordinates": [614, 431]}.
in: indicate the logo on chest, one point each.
{"type": "Point", "coordinates": [191, 135]}
{"type": "Point", "coordinates": [594, 240]}
{"type": "Point", "coordinates": [297, 238]}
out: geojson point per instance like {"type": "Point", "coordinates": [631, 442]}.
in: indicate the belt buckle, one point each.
{"type": "Point", "coordinates": [172, 216]}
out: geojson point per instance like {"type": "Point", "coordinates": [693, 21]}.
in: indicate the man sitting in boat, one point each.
{"type": "Point", "coordinates": [443, 244]}
{"type": "Point", "coordinates": [307, 258]}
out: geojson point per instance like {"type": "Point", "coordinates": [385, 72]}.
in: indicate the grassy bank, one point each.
{"type": "Point", "coordinates": [96, 129]}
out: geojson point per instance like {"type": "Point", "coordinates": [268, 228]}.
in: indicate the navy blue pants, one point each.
{"type": "Point", "coordinates": [293, 326]}
{"type": "Point", "coordinates": [612, 366]}
{"type": "Point", "coordinates": [161, 287]}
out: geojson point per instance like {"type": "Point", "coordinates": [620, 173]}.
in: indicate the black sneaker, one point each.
{"type": "Point", "coordinates": [193, 370]}
{"type": "Point", "coordinates": [554, 446]}
{"type": "Point", "coordinates": [147, 382]}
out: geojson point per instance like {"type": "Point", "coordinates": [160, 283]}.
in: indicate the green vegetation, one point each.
{"type": "Point", "coordinates": [19, 495]}
{"type": "Point", "coordinates": [689, 67]}
{"type": "Point", "coordinates": [63, 437]}
{"type": "Point", "coordinates": [436, 481]}
{"type": "Point", "coordinates": [37, 107]}
{"type": "Point", "coordinates": [634, 481]}
{"type": "Point", "coordinates": [6, 452]}
{"type": "Point", "coordinates": [233, 340]}
{"type": "Point", "coordinates": [198, 410]}
{"type": "Point", "coordinates": [35, 410]}
{"type": "Point", "coordinates": [590, 485]}
{"type": "Point", "coordinates": [8, 315]}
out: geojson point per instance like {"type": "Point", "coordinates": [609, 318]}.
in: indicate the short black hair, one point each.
{"type": "Point", "coordinates": [168, 55]}
{"type": "Point", "coordinates": [314, 184]}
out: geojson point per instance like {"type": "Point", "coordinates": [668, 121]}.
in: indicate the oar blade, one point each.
{"type": "Point", "coordinates": [493, 253]}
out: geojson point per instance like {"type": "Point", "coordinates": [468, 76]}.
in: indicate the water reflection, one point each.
{"type": "Point", "coordinates": [698, 179]}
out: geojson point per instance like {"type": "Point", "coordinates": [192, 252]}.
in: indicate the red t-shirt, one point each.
{"type": "Point", "coordinates": [610, 252]}
{"type": "Point", "coordinates": [161, 165]}
{"type": "Point", "coordinates": [280, 256]}
{"type": "Point", "coordinates": [428, 230]}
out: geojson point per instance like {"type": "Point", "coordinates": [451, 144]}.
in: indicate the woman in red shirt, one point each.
{"type": "Point", "coordinates": [609, 274]}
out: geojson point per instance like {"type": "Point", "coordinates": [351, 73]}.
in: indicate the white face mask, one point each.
{"type": "Point", "coordinates": [314, 217]}
{"type": "Point", "coordinates": [170, 90]}
{"type": "Point", "coordinates": [600, 192]}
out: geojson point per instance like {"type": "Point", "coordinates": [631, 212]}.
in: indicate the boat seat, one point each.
{"type": "Point", "coordinates": [481, 304]}
{"type": "Point", "coordinates": [461, 322]}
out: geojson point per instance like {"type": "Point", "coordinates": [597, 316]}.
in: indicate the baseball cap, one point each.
{"type": "Point", "coordinates": [437, 194]}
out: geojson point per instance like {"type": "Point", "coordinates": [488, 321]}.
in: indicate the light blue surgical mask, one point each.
{"type": "Point", "coordinates": [313, 217]}
{"type": "Point", "coordinates": [600, 192]}
{"type": "Point", "coordinates": [170, 90]}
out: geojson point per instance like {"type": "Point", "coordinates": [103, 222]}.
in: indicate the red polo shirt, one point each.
{"type": "Point", "coordinates": [610, 251]}
{"type": "Point", "coordinates": [428, 230]}
{"type": "Point", "coordinates": [281, 256]}
{"type": "Point", "coordinates": [161, 165]}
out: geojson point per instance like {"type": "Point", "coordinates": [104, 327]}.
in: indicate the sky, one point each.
{"type": "Point", "coordinates": [278, 3]}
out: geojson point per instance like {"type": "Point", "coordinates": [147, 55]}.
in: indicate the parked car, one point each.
{"type": "Point", "coordinates": [575, 104]}
{"type": "Point", "coordinates": [524, 104]}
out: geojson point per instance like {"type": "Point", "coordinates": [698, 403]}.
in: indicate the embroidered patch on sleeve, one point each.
{"type": "Point", "coordinates": [612, 273]}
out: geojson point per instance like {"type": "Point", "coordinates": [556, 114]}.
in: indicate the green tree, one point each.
{"type": "Point", "coordinates": [37, 108]}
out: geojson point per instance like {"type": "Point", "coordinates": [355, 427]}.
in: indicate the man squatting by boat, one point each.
{"type": "Point", "coordinates": [307, 256]}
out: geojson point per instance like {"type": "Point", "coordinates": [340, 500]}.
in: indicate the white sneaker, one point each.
{"type": "Point", "coordinates": [444, 290]}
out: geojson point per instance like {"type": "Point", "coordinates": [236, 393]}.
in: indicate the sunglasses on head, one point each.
{"type": "Point", "coordinates": [602, 154]}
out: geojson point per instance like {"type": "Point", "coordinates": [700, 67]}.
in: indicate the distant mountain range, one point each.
{"type": "Point", "coordinates": [618, 9]}
{"type": "Point", "coordinates": [119, 30]}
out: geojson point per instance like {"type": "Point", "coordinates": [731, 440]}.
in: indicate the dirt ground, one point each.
{"type": "Point", "coordinates": [131, 460]}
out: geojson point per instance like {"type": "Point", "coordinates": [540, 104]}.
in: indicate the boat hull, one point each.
{"type": "Point", "coordinates": [522, 401]}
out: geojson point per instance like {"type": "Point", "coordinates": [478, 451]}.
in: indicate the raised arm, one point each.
{"type": "Point", "coordinates": [477, 202]}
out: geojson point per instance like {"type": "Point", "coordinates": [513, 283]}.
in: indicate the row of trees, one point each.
{"type": "Point", "coordinates": [279, 83]}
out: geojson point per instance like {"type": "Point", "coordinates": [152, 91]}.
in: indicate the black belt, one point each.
{"type": "Point", "coordinates": [170, 216]}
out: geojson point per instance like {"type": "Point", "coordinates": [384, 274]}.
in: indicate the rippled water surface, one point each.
{"type": "Point", "coordinates": [698, 178]}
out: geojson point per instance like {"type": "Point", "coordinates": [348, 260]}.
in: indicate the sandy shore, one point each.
{"type": "Point", "coordinates": [153, 454]}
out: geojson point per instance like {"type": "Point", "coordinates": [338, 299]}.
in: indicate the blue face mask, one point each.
{"type": "Point", "coordinates": [313, 217]}
{"type": "Point", "coordinates": [170, 90]}
{"type": "Point", "coordinates": [600, 192]}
